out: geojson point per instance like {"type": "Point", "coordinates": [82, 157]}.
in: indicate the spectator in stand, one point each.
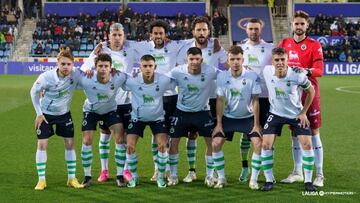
{"type": "Point", "coordinates": [39, 49]}
{"type": "Point", "coordinates": [217, 23]}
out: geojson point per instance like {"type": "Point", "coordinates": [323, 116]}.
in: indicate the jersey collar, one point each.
{"type": "Point", "coordinates": [140, 78]}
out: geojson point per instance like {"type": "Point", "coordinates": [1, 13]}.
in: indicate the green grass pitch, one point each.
{"type": "Point", "coordinates": [340, 136]}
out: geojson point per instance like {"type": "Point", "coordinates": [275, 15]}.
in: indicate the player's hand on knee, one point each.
{"type": "Point", "coordinates": [304, 121]}
{"type": "Point", "coordinates": [218, 129]}
{"type": "Point", "coordinates": [39, 119]}
{"type": "Point", "coordinates": [257, 129]}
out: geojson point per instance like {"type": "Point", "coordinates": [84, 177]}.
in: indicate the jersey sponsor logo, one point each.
{"type": "Point", "coordinates": [279, 92]}
{"type": "Point", "coordinates": [253, 59]}
{"type": "Point", "coordinates": [235, 93]}
{"type": "Point", "coordinates": [159, 58]}
{"type": "Point", "coordinates": [148, 99]}
{"type": "Point", "coordinates": [293, 55]}
{"type": "Point", "coordinates": [63, 93]}
{"type": "Point", "coordinates": [102, 97]}
{"type": "Point", "coordinates": [192, 88]}
{"type": "Point", "coordinates": [117, 65]}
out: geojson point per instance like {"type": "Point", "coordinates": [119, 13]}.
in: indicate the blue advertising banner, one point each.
{"type": "Point", "coordinates": [161, 9]}
{"type": "Point", "coordinates": [328, 40]}
{"type": "Point", "coordinates": [32, 68]}
{"type": "Point", "coordinates": [333, 9]}
{"type": "Point", "coordinates": [169, 8]}
{"type": "Point", "coordinates": [334, 68]}
{"type": "Point", "coordinates": [240, 15]}
{"type": "Point", "coordinates": [73, 9]}
{"type": "Point", "coordinates": [2, 67]}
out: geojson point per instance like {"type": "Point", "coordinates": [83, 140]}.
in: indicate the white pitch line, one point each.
{"type": "Point", "coordinates": [344, 89]}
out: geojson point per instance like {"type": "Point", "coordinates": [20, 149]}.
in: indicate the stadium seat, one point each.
{"type": "Point", "coordinates": [88, 52]}
{"type": "Point", "coordinates": [83, 40]}
{"type": "Point", "coordinates": [1, 53]}
{"type": "Point", "coordinates": [7, 53]}
{"type": "Point", "coordinates": [7, 46]}
{"type": "Point", "coordinates": [82, 53]}
{"type": "Point", "coordinates": [76, 53]}
{"type": "Point", "coordinates": [55, 46]}
{"type": "Point", "coordinates": [83, 47]}
{"type": "Point", "coordinates": [90, 47]}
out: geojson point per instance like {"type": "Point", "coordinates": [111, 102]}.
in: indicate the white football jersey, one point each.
{"type": "Point", "coordinates": [238, 92]}
{"type": "Point", "coordinates": [285, 93]}
{"type": "Point", "coordinates": [57, 91]}
{"type": "Point", "coordinates": [194, 90]}
{"type": "Point", "coordinates": [257, 57]}
{"type": "Point", "coordinates": [165, 58]}
{"type": "Point", "coordinates": [122, 60]}
{"type": "Point", "coordinates": [147, 99]}
{"type": "Point", "coordinates": [100, 98]}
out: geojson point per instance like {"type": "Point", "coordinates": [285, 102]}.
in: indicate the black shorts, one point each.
{"type": "Point", "coordinates": [124, 112]}
{"type": "Point", "coordinates": [64, 126]}
{"type": "Point", "coordinates": [275, 123]}
{"type": "Point", "coordinates": [169, 108]}
{"type": "Point", "coordinates": [231, 125]}
{"type": "Point", "coordinates": [137, 127]}
{"type": "Point", "coordinates": [264, 110]}
{"type": "Point", "coordinates": [90, 120]}
{"type": "Point", "coordinates": [185, 122]}
{"type": "Point", "coordinates": [212, 104]}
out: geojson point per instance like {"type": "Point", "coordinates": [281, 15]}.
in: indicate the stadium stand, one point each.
{"type": "Point", "coordinates": [10, 19]}
{"type": "Point", "coordinates": [347, 47]}
{"type": "Point", "coordinates": [81, 33]}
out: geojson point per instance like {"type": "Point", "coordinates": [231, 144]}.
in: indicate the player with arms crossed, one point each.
{"type": "Point", "coordinates": [147, 89]}
{"type": "Point", "coordinates": [284, 85]}
{"type": "Point", "coordinates": [57, 87]}
{"type": "Point", "coordinates": [306, 53]}
{"type": "Point", "coordinates": [237, 110]}
{"type": "Point", "coordinates": [100, 106]}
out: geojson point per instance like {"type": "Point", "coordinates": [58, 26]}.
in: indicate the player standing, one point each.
{"type": "Point", "coordinates": [257, 55]}
{"type": "Point", "coordinates": [57, 87]}
{"type": "Point", "coordinates": [283, 84]}
{"type": "Point", "coordinates": [305, 52]}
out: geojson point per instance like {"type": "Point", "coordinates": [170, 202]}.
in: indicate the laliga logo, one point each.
{"type": "Point", "coordinates": [242, 23]}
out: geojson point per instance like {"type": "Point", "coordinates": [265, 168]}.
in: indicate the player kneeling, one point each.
{"type": "Point", "coordinates": [57, 87]}
{"type": "Point", "coordinates": [147, 89]}
{"type": "Point", "coordinates": [237, 110]}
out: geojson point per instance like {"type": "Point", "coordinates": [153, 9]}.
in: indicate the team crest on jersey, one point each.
{"type": "Point", "coordinates": [140, 88]}
{"type": "Point", "coordinates": [303, 46]}
{"type": "Point", "coordinates": [94, 88]}
{"type": "Point", "coordinates": [157, 88]}
{"type": "Point", "coordinates": [185, 78]}
{"type": "Point", "coordinates": [209, 52]}
{"type": "Point", "coordinates": [288, 83]}
{"type": "Point", "coordinates": [112, 87]}
{"type": "Point", "coordinates": [262, 49]}
{"type": "Point", "coordinates": [124, 54]}
{"type": "Point", "coordinates": [244, 82]}
{"type": "Point", "coordinates": [202, 77]}
{"type": "Point", "coordinates": [71, 81]}
{"type": "Point", "coordinates": [166, 50]}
